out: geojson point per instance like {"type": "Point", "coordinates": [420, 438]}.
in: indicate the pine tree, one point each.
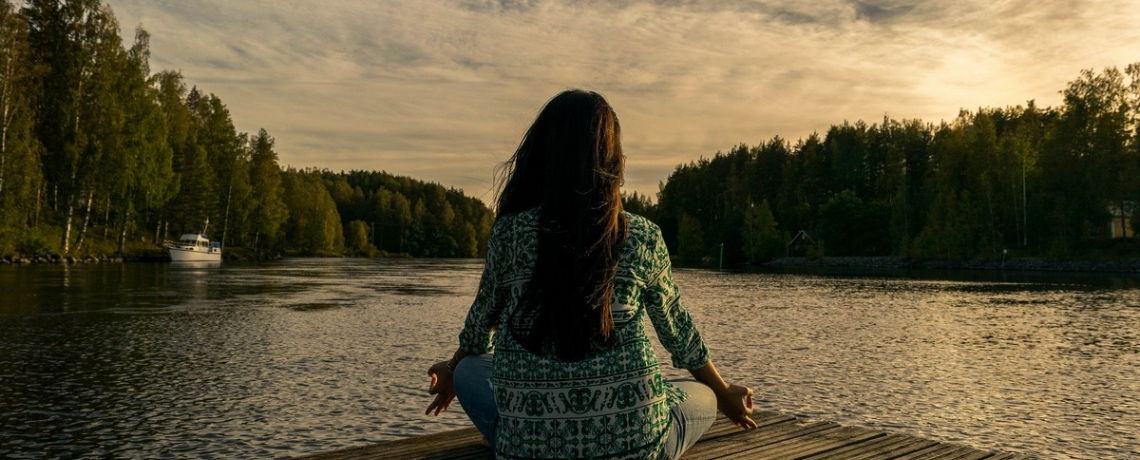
{"type": "Point", "coordinates": [268, 209]}
{"type": "Point", "coordinates": [20, 175]}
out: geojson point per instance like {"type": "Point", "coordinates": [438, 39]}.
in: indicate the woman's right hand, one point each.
{"type": "Point", "coordinates": [442, 386]}
{"type": "Point", "coordinates": [735, 402]}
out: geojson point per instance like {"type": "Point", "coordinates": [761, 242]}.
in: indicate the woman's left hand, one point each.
{"type": "Point", "coordinates": [442, 386]}
{"type": "Point", "coordinates": [735, 402]}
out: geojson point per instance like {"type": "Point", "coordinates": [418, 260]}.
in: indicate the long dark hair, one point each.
{"type": "Point", "coordinates": [569, 164]}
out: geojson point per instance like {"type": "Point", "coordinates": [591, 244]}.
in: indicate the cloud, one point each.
{"type": "Point", "coordinates": [443, 90]}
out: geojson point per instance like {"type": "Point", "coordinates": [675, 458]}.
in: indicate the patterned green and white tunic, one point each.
{"type": "Point", "coordinates": [614, 405]}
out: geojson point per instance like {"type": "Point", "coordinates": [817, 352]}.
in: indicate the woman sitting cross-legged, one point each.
{"type": "Point", "coordinates": [553, 359]}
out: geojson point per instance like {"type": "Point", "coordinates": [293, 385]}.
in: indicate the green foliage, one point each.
{"type": "Point", "coordinates": [1085, 162]}
{"type": "Point", "coordinates": [815, 251]}
{"type": "Point", "coordinates": [411, 217]}
{"type": "Point", "coordinates": [761, 234]}
{"type": "Point", "coordinates": [33, 245]}
{"type": "Point", "coordinates": [1034, 179]}
{"type": "Point", "coordinates": [97, 152]}
{"type": "Point", "coordinates": [951, 230]}
{"type": "Point", "coordinates": [268, 208]}
{"type": "Point", "coordinates": [840, 223]}
{"type": "Point", "coordinates": [468, 243]}
{"type": "Point", "coordinates": [313, 225]}
{"type": "Point", "coordinates": [356, 238]}
{"type": "Point", "coordinates": [639, 204]}
{"type": "Point", "coordinates": [20, 169]}
{"type": "Point", "coordinates": [692, 239]}
{"type": "Point", "coordinates": [853, 228]}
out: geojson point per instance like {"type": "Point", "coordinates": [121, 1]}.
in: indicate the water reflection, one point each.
{"type": "Point", "coordinates": [293, 357]}
{"type": "Point", "coordinates": [80, 288]}
{"type": "Point", "coordinates": [981, 362]}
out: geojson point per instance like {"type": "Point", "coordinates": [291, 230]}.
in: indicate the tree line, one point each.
{"type": "Point", "coordinates": [1034, 181]}
{"type": "Point", "coordinates": [99, 155]}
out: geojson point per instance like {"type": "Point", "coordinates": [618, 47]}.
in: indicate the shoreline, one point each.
{"type": "Point", "coordinates": [1022, 264]}
{"type": "Point", "coordinates": [159, 255]}
{"type": "Point", "coordinates": [58, 259]}
{"type": "Point", "coordinates": [1029, 264]}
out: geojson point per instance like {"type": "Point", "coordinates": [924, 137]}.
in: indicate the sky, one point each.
{"type": "Point", "coordinates": [443, 90]}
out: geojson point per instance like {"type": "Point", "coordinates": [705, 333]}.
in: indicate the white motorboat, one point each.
{"type": "Point", "coordinates": [194, 247]}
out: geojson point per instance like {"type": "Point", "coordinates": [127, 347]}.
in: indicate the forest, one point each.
{"type": "Point", "coordinates": [1026, 181]}
{"type": "Point", "coordinates": [100, 155]}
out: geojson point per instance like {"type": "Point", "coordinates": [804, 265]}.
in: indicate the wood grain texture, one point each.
{"type": "Point", "coordinates": [777, 437]}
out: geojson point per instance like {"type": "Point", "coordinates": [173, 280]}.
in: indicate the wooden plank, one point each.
{"type": "Point", "coordinates": [724, 427]}
{"type": "Point", "coordinates": [435, 444]}
{"type": "Point", "coordinates": [777, 437]}
{"type": "Point", "coordinates": [883, 448]}
{"type": "Point", "coordinates": [467, 452]}
{"type": "Point", "coordinates": [935, 452]}
{"type": "Point", "coordinates": [810, 444]}
{"type": "Point", "coordinates": [734, 443]}
{"type": "Point", "coordinates": [415, 447]}
{"type": "Point", "coordinates": [1011, 456]}
{"type": "Point", "coordinates": [729, 433]}
{"type": "Point", "coordinates": [965, 453]}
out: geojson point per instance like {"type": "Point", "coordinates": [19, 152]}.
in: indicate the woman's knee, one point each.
{"type": "Point", "coordinates": [473, 373]}
{"type": "Point", "coordinates": [475, 364]}
{"type": "Point", "coordinates": [472, 385]}
{"type": "Point", "coordinates": [700, 397]}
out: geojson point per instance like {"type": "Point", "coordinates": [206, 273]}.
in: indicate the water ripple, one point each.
{"type": "Point", "coordinates": [301, 356]}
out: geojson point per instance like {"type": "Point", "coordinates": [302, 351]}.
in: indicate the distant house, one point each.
{"type": "Point", "coordinates": [1120, 225]}
{"type": "Point", "coordinates": [800, 241]}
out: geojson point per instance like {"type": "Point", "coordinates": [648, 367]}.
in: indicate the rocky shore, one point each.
{"type": "Point", "coordinates": [57, 259]}
{"type": "Point", "coordinates": [157, 255]}
{"type": "Point", "coordinates": [1012, 264]}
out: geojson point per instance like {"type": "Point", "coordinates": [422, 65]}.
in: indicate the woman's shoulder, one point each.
{"type": "Point", "coordinates": [640, 224]}
{"type": "Point", "coordinates": [642, 231]}
{"type": "Point", "coordinates": [515, 220]}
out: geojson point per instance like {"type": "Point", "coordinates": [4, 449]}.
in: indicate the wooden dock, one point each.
{"type": "Point", "coordinates": [778, 437]}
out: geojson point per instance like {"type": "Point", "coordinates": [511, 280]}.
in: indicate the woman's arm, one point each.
{"type": "Point", "coordinates": [483, 317]}
{"type": "Point", "coordinates": [478, 331]}
{"type": "Point", "coordinates": [661, 299]}
{"type": "Point", "coordinates": [735, 401]}
{"type": "Point", "coordinates": [679, 335]}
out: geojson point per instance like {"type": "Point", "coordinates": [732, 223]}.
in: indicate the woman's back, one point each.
{"type": "Point", "coordinates": [567, 280]}
{"type": "Point", "coordinates": [613, 404]}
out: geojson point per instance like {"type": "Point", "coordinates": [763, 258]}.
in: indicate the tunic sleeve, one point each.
{"type": "Point", "coordinates": [673, 324]}
{"type": "Point", "coordinates": [483, 317]}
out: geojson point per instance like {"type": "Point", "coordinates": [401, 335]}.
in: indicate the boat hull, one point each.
{"type": "Point", "coordinates": [190, 255]}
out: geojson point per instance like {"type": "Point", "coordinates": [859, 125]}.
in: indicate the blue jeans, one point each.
{"type": "Point", "coordinates": [688, 421]}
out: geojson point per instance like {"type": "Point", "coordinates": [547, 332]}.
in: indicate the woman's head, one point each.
{"type": "Point", "coordinates": [571, 156]}
{"type": "Point", "coordinates": [569, 165]}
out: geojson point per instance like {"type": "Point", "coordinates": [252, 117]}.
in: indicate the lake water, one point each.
{"type": "Point", "coordinates": [302, 356]}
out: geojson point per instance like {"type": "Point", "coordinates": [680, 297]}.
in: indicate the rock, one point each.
{"type": "Point", "coordinates": [24, 260]}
